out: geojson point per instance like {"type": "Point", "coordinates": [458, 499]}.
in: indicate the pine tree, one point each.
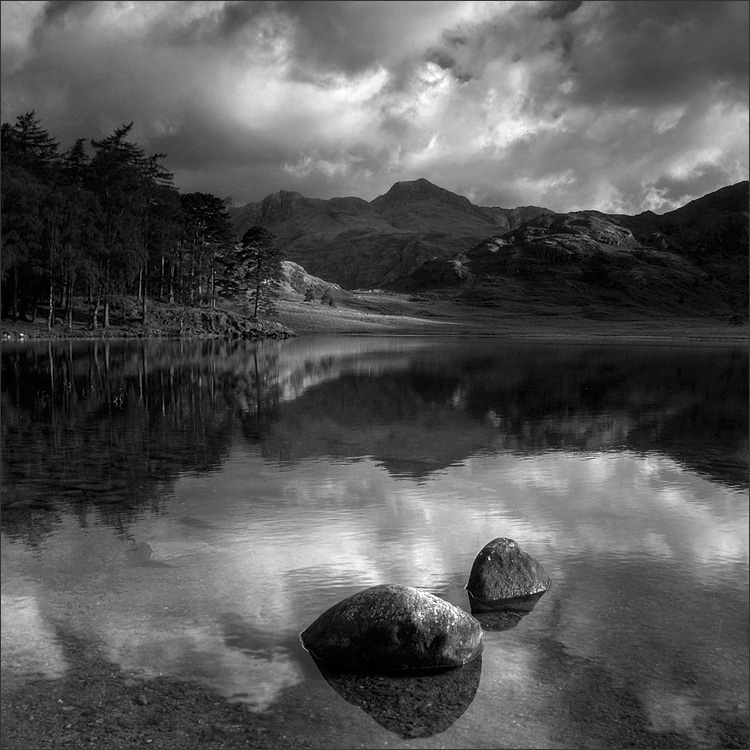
{"type": "Point", "coordinates": [30, 170]}
{"type": "Point", "coordinates": [261, 259]}
{"type": "Point", "coordinates": [125, 182]}
{"type": "Point", "coordinates": [207, 234]}
{"type": "Point", "coordinates": [27, 144]}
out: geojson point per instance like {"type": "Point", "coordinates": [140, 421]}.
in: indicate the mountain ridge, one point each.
{"type": "Point", "coordinates": [358, 243]}
{"type": "Point", "coordinates": [418, 237]}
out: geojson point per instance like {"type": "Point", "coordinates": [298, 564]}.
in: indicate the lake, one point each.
{"type": "Point", "coordinates": [189, 507]}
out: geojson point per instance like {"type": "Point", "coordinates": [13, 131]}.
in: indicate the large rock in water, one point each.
{"type": "Point", "coordinates": [394, 627]}
{"type": "Point", "coordinates": [503, 576]}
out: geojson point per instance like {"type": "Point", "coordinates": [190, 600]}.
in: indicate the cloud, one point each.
{"type": "Point", "coordinates": [615, 106]}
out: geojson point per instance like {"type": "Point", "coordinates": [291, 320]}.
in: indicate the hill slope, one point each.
{"type": "Point", "coordinates": [420, 238]}
{"type": "Point", "coordinates": [691, 261]}
{"type": "Point", "coordinates": [356, 244]}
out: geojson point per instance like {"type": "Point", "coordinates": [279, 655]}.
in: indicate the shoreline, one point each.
{"type": "Point", "coordinates": [379, 313]}
{"type": "Point", "coordinates": [353, 323]}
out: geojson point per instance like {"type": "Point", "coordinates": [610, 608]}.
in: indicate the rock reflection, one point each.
{"type": "Point", "coordinates": [503, 614]}
{"type": "Point", "coordinates": [140, 556]}
{"type": "Point", "coordinates": [410, 705]}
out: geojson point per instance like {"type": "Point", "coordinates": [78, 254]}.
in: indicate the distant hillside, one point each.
{"type": "Point", "coordinates": [421, 238]}
{"type": "Point", "coordinates": [357, 244]}
{"type": "Point", "coordinates": [691, 261]}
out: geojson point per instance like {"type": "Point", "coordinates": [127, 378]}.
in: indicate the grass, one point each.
{"type": "Point", "coordinates": [393, 313]}
{"type": "Point", "coordinates": [377, 312]}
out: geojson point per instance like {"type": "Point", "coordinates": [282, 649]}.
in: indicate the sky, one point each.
{"type": "Point", "coordinates": [615, 106]}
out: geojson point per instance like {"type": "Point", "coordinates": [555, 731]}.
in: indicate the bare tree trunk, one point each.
{"type": "Point", "coordinates": [51, 310]}
{"type": "Point", "coordinates": [69, 290]}
{"type": "Point", "coordinates": [172, 271]}
{"type": "Point", "coordinates": [257, 296]}
{"type": "Point", "coordinates": [95, 314]}
{"type": "Point", "coordinates": [14, 310]}
{"type": "Point", "coordinates": [143, 297]}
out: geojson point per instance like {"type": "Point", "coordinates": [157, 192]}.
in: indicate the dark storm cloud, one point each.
{"type": "Point", "coordinates": [58, 9]}
{"type": "Point", "coordinates": [652, 53]}
{"type": "Point", "coordinates": [344, 37]}
{"type": "Point", "coordinates": [201, 141]}
{"type": "Point", "coordinates": [350, 37]}
{"type": "Point", "coordinates": [219, 25]}
{"type": "Point", "coordinates": [557, 10]}
{"type": "Point", "coordinates": [620, 52]}
{"type": "Point", "coordinates": [609, 105]}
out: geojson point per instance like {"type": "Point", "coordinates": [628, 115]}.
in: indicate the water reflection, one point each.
{"type": "Point", "coordinates": [192, 506]}
{"type": "Point", "coordinates": [110, 425]}
{"type": "Point", "coordinates": [408, 705]}
{"type": "Point", "coordinates": [505, 613]}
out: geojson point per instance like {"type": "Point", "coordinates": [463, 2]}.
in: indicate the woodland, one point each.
{"type": "Point", "coordinates": [103, 220]}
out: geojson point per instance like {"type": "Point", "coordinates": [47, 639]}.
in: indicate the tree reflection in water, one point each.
{"type": "Point", "coordinates": [110, 425]}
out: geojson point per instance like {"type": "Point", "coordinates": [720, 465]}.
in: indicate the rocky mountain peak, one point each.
{"type": "Point", "coordinates": [282, 205]}
{"type": "Point", "coordinates": [421, 190]}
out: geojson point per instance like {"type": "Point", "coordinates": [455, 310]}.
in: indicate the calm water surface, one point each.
{"type": "Point", "coordinates": [189, 507]}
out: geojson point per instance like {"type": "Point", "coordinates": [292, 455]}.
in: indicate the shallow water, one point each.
{"type": "Point", "coordinates": [190, 507]}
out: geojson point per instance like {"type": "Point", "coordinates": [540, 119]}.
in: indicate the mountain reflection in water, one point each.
{"type": "Point", "coordinates": [190, 506]}
{"type": "Point", "coordinates": [112, 424]}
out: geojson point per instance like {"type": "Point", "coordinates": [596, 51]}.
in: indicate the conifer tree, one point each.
{"type": "Point", "coordinates": [261, 260]}
{"type": "Point", "coordinates": [30, 169]}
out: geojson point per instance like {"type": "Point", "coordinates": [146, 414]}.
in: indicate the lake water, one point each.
{"type": "Point", "coordinates": [189, 507]}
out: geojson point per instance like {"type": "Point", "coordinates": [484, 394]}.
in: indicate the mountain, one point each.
{"type": "Point", "coordinates": [692, 260]}
{"type": "Point", "coordinates": [421, 238]}
{"type": "Point", "coordinates": [357, 244]}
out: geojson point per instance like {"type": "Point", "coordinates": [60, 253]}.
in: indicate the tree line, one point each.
{"type": "Point", "coordinates": [103, 220]}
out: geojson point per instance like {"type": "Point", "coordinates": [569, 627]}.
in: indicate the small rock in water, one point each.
{"type": "Point", "coordinates": [394, 627]}
{"type": "Point", "coordinates": [502, 572]}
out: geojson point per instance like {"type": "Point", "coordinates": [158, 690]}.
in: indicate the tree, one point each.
{"type": "Point", "coordinates": [125, 181]}
{"type": "Point", "coordinates": [29, 219]}
{"type": "Point", "coordinates": [261, 260]}
{"type": "Point", "coordinates": [164, 222]}
{"type": "Point", "coordinates": [109, 222]}
{"type": "Point", "coordinates": [22, 251]}
{"type": "Point", "coordinates": [27, 144]}
{"type": "Point", "coordinates": [80, 234]}
{"type": "Point", "coordinates": [207, 238]}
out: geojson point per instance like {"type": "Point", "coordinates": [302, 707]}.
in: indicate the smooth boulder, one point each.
{"type": "Point", "coordinates": [394, 627]}
{"type": "Point", "coordinates": [504, 576]}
